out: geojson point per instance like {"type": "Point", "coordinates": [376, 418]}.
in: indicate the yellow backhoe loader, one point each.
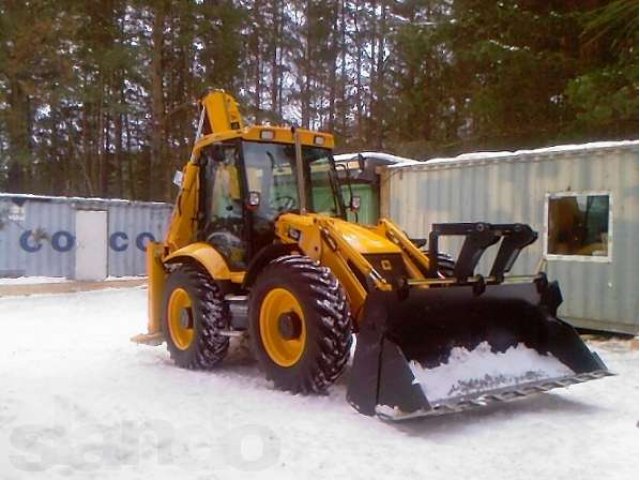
{"type": "Point", "coordinates": [259, 245]}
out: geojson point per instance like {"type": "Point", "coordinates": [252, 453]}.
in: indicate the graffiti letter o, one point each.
{"type": "Point", "coordinates": [24, 243]}
{"type": "Point", "coordinates": [140, 240]}
{"type": "Point", "coordinates": [115, 244]}
{"type": "Point", "coordinates": [65, 245]}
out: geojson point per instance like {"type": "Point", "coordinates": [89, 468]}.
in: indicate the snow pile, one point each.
{"type": "Point", "coordinates": [507, 155]}
{"type": "Point", "coordinates": [481, 370]}
{"type": "Point", "coordinates": [36, 280]}
{"type": "Point", "coordinates": [111, 278]}
{"type": "Point", "coordinates": [385, 157]}
{"type": "Point", "coordinates": [31, 280]}
{"type": "Point", "coordinates": [60, 198]}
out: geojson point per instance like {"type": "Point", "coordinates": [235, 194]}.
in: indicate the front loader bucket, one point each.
{"type": "Point", "coordinates": [448, 349]}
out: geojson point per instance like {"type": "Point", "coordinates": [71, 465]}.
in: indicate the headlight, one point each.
{"type": "Point", "coordinates": [267, 134]}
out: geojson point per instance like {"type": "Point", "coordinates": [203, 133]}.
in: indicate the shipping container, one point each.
{"type": "Point", "coordinates": [77, 238]}
{"type": "Point", "coordinates": [581, 199]}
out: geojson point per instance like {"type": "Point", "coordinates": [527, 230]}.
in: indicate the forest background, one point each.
{"type": "Point", "coordinates": [97, 98]}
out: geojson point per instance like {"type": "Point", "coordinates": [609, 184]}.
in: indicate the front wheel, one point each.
{"type": "Point", "coordinates": [300, 324]}
{"type": "Point", "coordinates": [445, 262]}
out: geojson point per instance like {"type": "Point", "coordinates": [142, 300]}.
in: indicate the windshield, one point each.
{"type": "Point", "coordinates": [271, 171]}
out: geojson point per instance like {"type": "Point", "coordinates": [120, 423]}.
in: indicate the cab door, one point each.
{"type": "Point", "coordinates": [222, 220]}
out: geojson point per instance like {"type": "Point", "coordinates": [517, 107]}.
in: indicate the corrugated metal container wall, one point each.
{"type": "Point", "coordinates": [38, 237]}
{"type": "Point", "coordinates": [27, 227]}
{"type": "Point", "coordinates": [134, 227]}
{"type": "Point", "coordinates": [598, 292]}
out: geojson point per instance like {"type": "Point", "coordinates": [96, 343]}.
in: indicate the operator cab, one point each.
{"type": "Point", "coordinates": [248, 184]}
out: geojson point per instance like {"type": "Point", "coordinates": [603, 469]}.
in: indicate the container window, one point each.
{"type": "Point", "coordinates": [579, 225]}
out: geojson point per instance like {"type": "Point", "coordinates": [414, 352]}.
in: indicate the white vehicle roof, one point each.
{"type": "Point", "coordinates": [384, 157]}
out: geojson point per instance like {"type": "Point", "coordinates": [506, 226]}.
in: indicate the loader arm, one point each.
{"type": "Point", "coordinates": [347, 248]}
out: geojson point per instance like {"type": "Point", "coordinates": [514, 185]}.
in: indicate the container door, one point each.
{"type": "Point", "coordinates": [91, 245]}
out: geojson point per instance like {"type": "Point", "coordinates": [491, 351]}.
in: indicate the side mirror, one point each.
{"type": "Point", "coordinates": [361, 164]}
{"type": "Point", "coordinates": [177, 178]}
{"type": "Point", "coordinates": [356, 203]}
{"type": "Point", "coordinates": [253, 200]}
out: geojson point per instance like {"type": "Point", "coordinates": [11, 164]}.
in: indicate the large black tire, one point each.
{"type": "Point", "coordinates": [446, 263]}
{"type": "Point", "coordinates": [326, 318]}
{"type": "Point", "coordinates": [208, 313]}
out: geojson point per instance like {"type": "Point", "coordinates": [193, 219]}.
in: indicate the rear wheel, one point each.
{"type": "Point", "coordinates": [193, 315]}
{"type": "Point", "coordinates": [300, 324]}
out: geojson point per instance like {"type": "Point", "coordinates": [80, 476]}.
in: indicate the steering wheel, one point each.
{"type": "Point", "coordinates": [283, 203]}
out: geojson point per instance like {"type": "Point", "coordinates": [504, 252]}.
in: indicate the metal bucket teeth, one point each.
{"type": "Point", "coordinates": [460, 405]}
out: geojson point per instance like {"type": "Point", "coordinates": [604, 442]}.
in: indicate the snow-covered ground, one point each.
{"type": "Point", "coordinates": [78, 400]}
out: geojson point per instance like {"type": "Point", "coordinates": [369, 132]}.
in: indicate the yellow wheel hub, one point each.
{"type": "Point", "coordinates": [180, 318]}
{"type": "Point", "coordinates": [282, 328]}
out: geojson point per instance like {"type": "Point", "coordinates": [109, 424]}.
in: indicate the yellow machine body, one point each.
{"type": "Point", "coordinates": [407, 315]}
